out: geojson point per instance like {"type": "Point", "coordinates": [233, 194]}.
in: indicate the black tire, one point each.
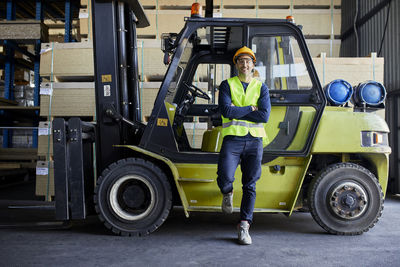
{"type": "Point", "coordinates": [133, 197]}
{"type": "Point", "coordinates": [345, 199]}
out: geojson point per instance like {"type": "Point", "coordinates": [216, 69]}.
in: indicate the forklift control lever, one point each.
{"type": "Point", "coordinates": [112, 113]}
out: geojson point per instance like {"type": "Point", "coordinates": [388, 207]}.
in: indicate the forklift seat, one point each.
{"type": "Point", "coordinates": [212, 140]}
{"type": "Point", "coordinates": [171, 109]}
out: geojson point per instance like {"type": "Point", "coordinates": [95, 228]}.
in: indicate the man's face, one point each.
{"type": "Point", "coordinates": [245, 64]}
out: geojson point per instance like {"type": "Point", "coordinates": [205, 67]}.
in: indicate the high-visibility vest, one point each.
{"type": "Point", "coordinates": [240, 98]}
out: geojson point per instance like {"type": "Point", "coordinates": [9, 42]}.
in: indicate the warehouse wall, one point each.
{"type": "Point", "coordinates": [370, 36]}
{"type": "Point", "coordinates": [369, 40]}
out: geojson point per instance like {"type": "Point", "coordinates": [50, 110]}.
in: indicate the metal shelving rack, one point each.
{"type": "Point", "coordinates": [9, 68]}
{"type": "Point", "coordinates": [10, 64]}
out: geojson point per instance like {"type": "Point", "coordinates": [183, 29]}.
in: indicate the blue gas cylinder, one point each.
{"type": "Point", "coordinates": [370, 92]}
{"type": "Point", "coordinates": [338, 92]}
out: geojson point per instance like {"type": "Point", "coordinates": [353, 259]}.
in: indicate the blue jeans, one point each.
{"type": "Point", "coordinates": [247, 152]}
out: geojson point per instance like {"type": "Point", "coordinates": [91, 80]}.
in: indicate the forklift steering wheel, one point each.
{"type": "Point", "coordinates": [197, 92]}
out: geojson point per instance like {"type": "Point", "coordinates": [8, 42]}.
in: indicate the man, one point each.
{"type": "Point", "coordinates": [245, 106]}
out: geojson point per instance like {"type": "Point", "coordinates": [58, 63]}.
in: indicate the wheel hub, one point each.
{"type": "Point", "coordinates": [132, 197]}
{"type": "Point", "coordinates": [348, 200]}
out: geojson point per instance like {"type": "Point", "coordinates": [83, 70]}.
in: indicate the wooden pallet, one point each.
{"type": "Point", "coordinates": [18, 154]}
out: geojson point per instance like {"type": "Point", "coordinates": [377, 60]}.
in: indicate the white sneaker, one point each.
{"type": "Point", "coordinates": [244, 237]}
{"type": "Point", "coordinates": [227, 205]}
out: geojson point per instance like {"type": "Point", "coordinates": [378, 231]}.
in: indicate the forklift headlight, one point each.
{"type": "Point", "coordinates": [370, 139]}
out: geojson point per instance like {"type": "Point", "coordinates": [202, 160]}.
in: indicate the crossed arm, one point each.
{"type": "Point", "coordinates": [258, 114]}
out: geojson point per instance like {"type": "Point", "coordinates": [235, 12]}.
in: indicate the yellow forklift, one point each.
{"type": "Point", "coordinates": [328, 157]}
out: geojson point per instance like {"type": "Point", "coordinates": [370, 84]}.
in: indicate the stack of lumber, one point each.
{"type": "Point", "coordinates": [23, 30]}
{"type": "Point", "coordinates": [352, 70]}
{"type": "Point", "coordinates": [80, 27]}
{"type": "Point", "coordinates": [16, 158]}
{"type": "Point", "coordinates": [85, 22]}
{"type": "Point", "coordinates": [68, 99]}
{"type": "Point", "coordinates": [67, 62]}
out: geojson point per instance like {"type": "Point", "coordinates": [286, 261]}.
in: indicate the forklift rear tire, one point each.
{"type": "Point", "coordinates": [346, 199]}
{"type": "Point", "coordinates": [133, 197]}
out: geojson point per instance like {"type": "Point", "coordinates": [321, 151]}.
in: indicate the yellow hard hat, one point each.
{"type": "Point", "coordinates": [244, 50]}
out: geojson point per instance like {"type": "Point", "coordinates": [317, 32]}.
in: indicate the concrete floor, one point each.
{"type": "Point", "coordinates": [203, 239]}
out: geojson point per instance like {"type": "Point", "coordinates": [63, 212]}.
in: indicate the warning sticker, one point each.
{"type": "Point", "coordinates": [162, 122]}
{"type": "Point", "coordinates": [106, 78]}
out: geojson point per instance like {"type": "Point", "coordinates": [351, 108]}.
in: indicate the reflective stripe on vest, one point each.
{"type": "Point", "coordinates": [242, 123]}
{"type": "Point", "coordinates": [240, 98]}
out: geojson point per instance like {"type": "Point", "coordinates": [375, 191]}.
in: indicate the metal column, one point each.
{"type": "Point", "coordinates": [9, 68]}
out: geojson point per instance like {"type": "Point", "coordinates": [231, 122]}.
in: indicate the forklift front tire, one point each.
{"type": "Point", "coordinates": [133, 197]}
{"type": "Point", "coordinates": [345, 199]}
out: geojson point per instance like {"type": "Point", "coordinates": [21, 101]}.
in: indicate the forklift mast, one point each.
{"type": "Point", "coordinates": [117, 109]}
{"type": "Point", "coordinates": [116, 75]}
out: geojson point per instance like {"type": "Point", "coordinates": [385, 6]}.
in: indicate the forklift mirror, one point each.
{"type": "Point", "coordinates": [168, 45]}
{"type": "Point", "coordinates": [167, 59]}
{"type": "Point", "coordinates": [168, 42]}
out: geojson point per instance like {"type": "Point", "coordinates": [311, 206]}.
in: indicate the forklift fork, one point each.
{"type": "Point", "coordinates": [73, 167]}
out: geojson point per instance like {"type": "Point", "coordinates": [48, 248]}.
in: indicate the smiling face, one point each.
{"type": "Point", "coordinates": [245, 64]}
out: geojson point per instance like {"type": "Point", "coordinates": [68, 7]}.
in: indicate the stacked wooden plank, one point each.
{"type": "Point", "coordinates": [353, 70]}
{"type": "Point", "coordinates": [57, 30]}
{"type": "Point", "coordinates": [23, 30]}
{"type": "Point", "coordinates": [85, 20]}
